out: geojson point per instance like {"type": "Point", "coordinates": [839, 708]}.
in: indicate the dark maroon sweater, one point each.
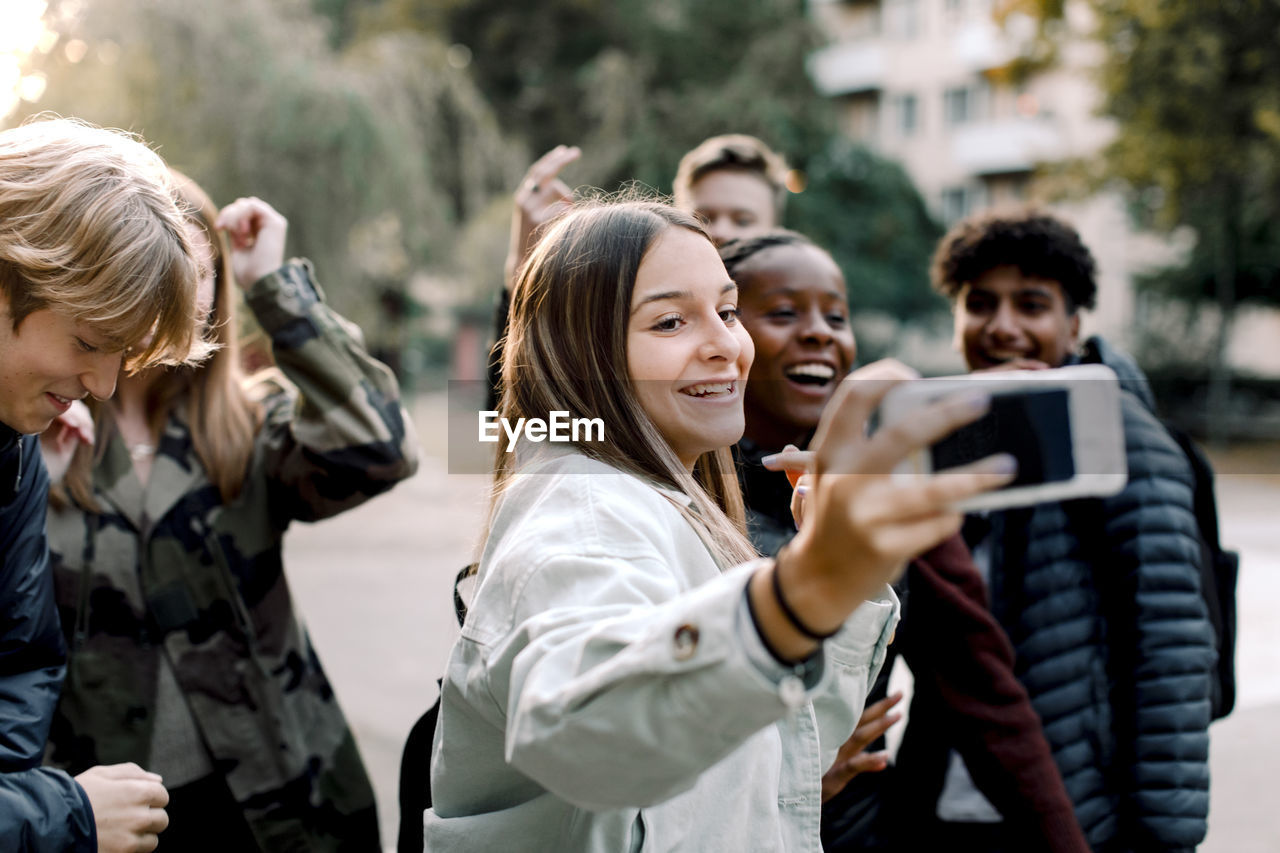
{"type": "Point", "coordinates": [968, 698]}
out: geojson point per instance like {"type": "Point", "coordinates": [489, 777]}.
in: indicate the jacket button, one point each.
{"type": "Point", "coordinates": [791, 691]}
{"type": "Point", "coordinates": [684, 642]}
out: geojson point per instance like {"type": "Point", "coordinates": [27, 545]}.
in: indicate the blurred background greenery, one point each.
{"type": "Point", "coordinates": [392, 132]}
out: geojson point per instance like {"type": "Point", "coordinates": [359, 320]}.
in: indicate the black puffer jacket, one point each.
{"type": "Point", "coordinates": [1113, 643]}
{"type": "Point", "coordinates": [41, 809]}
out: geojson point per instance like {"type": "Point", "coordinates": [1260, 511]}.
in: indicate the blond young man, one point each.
{"type": "Point", "coordinates": [734, 183]}
{"type": "Point", "coordinates": [96, 273]}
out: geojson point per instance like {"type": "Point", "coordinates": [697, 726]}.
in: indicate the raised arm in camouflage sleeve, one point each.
{"type": "Point", "coordinates": [188, 655]}
{"type": "Point", "coordinates": [346, 436]}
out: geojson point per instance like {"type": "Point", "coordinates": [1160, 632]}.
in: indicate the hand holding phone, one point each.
{"type": "Point", "coordinates": [1063, 426]}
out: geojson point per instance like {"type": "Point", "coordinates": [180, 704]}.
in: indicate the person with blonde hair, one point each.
{"type": "Point", "coordinates": [96, 273]}
{"type": "Point", "coordinates": [187, 653]}
{"type": "Point", "coordinates": [735, 184]}
{"type": "Point", "coordinates": [630, 675]}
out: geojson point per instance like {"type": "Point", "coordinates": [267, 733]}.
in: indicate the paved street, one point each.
{"type": "Point", "coordinates": [374, 586]}
{"type": "Point", "coordinates": [1245, 747]}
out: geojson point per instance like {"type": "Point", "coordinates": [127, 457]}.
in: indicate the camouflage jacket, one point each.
{"type": "Point", "coordinates": [173, 571]}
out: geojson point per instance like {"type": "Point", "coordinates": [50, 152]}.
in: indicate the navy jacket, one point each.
{"type": "Point", "coordinates": [42, 810]}
{"type": "Point", "coordinates": [1101, 601]}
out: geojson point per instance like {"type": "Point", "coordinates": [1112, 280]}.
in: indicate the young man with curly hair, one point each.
{"type": "Point", "coordinates": [1112, 639]}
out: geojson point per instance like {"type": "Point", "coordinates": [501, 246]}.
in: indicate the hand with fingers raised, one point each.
{"type": "Point", "coordinates": [853, 758]}
{"type": "Point", "coordinates": [861, 524]}
{"type": "Point", "coordinates": [541, 197]}
{"type": "Point", "coordinates": [257, 236]}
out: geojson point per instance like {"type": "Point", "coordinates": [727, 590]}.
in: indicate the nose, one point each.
{"type": "Point", "coordinates": [720, 342]}
{"type": "Point", "coordinates": [1003, 323]}
{"type": "Point", "coordinates": [99, 378]}
{"type": "Point", "coordinates": [721, 230]}
{"type": "Point", "coordinates": [815, 328]}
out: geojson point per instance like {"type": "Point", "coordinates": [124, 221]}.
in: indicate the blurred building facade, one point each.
{"type": "Point", "coordinates": [927, 82]}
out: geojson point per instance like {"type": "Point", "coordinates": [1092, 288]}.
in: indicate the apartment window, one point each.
{"type": "Point", "coordinates": [955, 204]}
{"type": "Point", "coordinates": [907, 110]}
{"type": "Point", "coordinates": [956, 105]}
{"type": "Point", "coordinates": [904, 18]}
{"type": "Point", "coordinates": [865, 21]}
{"type": "Point", "coordinates": [1006, 189]}
{"type": "Point", "coordinates": [964, 104]}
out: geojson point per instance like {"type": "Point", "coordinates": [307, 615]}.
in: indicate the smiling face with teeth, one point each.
{"type": "Point", "coordinates": [1006, 316]}
{"type": "Point", "coordinates": [687, 354]}
{"type": "Point", "coordinates": [795, 308]}
{"type": "Point", "coordinates": [47, 362]}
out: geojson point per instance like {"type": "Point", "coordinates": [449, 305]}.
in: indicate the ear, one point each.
{"type": "Point", "coordinates": [1073, 326]}
{"type": "Point", "coordinates": [957, 328]}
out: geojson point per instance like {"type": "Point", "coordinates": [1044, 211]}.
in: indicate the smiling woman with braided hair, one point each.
{"type": "Point", "coordinates": [793, 303]}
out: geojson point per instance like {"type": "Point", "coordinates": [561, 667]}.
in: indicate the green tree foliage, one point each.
{"type": "Point", "coordinates": [865, 211]}
{"type": "Point", "coordinates": [1195, 90]}
{"type": "Point", "coordinates": [392, 132]}
{"type": "Point", "coordinates": [374, 153]}
{"type": "Point", "coordinates": [636, 83]}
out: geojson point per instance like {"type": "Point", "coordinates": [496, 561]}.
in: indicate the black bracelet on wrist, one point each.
{"type": "Point", "coordinates": [764, 640]}
{"type": "Point", "coordinates": [791, 614]}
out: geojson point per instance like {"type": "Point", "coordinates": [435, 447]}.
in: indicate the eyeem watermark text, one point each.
{"type": "Point", "coordinates": [559, 427]}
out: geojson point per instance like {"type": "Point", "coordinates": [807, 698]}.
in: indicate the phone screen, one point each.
{"type": "Point", "coordinates": [1033, 426]}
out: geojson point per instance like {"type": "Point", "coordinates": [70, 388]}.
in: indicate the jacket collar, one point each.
{"type": "Point", "coordinates": [8, 437]}
{"type": "Point", "coordinates": [530, 456]}
{"type": "Point", "coordinates": [1096, 350]}
{"type": "Point", "coordinates": [175, 471]}
{"type": "Point", "coordinates": [10, 464]}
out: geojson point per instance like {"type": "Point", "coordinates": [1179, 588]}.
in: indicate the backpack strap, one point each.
{"type": "Point", "coordinates": [460, 606]}
{"type": "Point", "coordinates": [415, 760]}
{"type": "Point", "coordinates": [1219, 571]}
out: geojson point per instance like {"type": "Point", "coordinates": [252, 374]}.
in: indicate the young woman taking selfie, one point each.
{"type": "Point", "coordinates": [630, 675]}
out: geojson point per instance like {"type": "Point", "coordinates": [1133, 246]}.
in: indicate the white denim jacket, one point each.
{"type": "Point", "coordinates": [610, 693]}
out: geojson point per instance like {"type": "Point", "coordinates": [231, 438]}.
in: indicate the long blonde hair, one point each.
{"type": "Point", "coordinates": [222, 415]}
{"type": "Point", "coordinates": [566, 350]}
{"type": "Point", "coordinates": [92, 229]}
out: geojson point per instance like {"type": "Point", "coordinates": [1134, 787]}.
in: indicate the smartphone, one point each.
{"type": "Point", "coordinates": [1063, 426]}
